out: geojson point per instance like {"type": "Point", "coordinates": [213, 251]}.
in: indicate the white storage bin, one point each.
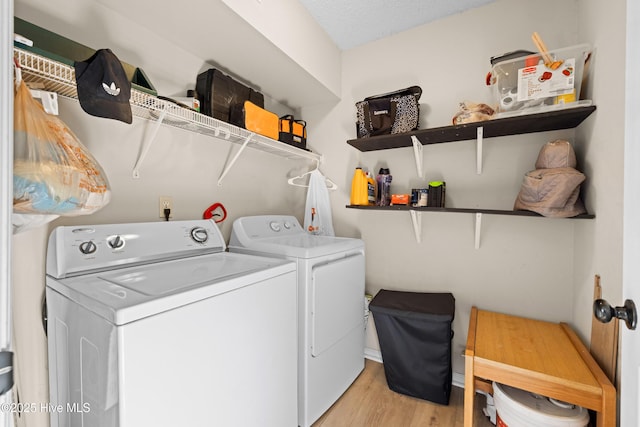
{"type": "Point", "coordinates": [519, 408]}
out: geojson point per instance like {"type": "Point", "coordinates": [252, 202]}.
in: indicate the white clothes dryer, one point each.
{"type": "Point", "coordinates": [154, 324]}
{"type": "Point", "coordinates": [331, 272]}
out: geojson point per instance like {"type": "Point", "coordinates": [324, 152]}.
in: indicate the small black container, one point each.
{"type": "Point", "coordinates": [414, 331]}
{"type": "Point", "coordinates": [437, 193]}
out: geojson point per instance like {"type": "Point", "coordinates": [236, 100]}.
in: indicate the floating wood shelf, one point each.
{"type": "Point", "coordinates": [461, 210]}
{"type": "Point", "coordinates": [416, 216]}
{"type": "Point", "coordinates": [566, 118]}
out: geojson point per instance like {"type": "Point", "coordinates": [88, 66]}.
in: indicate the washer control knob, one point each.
{"type": "Point", "coordinates": [115, 242]}
{"type": "Point", "coordinates": [88, 247]}
{"type": "Point", "coordinates": [199, 234]}
{"type": "Point", "coordinates": [287, 225]}
{"type": "Point", "coordinates": [275, 226]}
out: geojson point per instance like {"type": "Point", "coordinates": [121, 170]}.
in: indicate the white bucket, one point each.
{"type": "Point", "coordinates": [519, 408]}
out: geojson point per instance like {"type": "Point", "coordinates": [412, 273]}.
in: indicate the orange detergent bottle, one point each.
{"type": "Point", "coordinates": [359, 188]}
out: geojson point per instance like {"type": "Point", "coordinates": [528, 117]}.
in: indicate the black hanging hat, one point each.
{"type": "Point", "coordinates": [103, 87]}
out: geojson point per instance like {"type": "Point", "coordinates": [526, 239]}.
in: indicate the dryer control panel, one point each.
{"type": "Point", "coordinates": [75, 250]}
{"type": "Point", "coordinates": [261, 226]}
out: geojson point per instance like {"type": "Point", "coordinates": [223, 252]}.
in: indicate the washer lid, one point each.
{"type": "Point", "coordinates": [128, 294]}
{"type": "Point", "coordinates": [282, 235]}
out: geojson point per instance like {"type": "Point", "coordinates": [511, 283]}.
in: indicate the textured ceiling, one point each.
{"type": "Point", "coordinates": [351, 23]}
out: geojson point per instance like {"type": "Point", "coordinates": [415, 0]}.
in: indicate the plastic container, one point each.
{"type": "Point", "coordinates": [436, 194]}
{"type": "Point", "coordinates": [519, 408]}
{"type": "Point", "coordinates": [384, 187]}
{"type": "Point", "coordinates": [526, 82]}
{"type": "Point", "coordinates": [359, 188]}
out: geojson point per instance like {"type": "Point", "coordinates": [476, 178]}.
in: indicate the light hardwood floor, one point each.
{"type": "Point", "coordinates": [370, 403]}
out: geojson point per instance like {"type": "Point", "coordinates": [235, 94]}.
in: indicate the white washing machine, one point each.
{"type": "Point", "coordinates": [331, 274]}
{"type": "Point", "coordinates": [154, 324]}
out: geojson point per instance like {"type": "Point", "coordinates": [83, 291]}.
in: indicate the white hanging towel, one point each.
{"type": "Point", "coordinates": [317, 214]}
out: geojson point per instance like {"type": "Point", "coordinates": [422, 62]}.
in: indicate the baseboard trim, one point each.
{"type": "Point", "coordinates": [372, 354]}
{"type": "Point", "coordinates": [457, 378]}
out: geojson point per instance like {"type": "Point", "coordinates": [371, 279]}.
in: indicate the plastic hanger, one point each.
{"type": "Point", "coordinates": [330, 184]}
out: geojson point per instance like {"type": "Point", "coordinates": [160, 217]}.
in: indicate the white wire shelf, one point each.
{"type": "Point", "coordinates": [54, 76]}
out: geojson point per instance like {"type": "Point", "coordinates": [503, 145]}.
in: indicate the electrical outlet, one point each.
{"type": "Point", "coordinates": [165, 202]}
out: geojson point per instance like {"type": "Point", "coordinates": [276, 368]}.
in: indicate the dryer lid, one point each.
{"type": "Point", "coordinates": [282, 235]}
{"type": "Point", "coordinates": [301, 246]}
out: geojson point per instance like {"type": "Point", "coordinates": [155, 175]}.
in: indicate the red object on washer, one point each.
{"type": "Point", "coordinates": [215, 211]}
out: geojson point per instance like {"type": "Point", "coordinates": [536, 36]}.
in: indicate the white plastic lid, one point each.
{"type": "Point", "coordinates": [531, 409]}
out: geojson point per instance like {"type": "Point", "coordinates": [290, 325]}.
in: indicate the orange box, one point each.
{"type": "Point", "coordinates": [399, 199]}
{"type": "Point", "coordinates": [256, 119]}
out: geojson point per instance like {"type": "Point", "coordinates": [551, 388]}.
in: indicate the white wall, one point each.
{"type": "Point", "coordinates": [598, 246]}
{"type": "Point", "coordinates": [524, 266]}
{"type": "Point", "coordinates": [288, 25]}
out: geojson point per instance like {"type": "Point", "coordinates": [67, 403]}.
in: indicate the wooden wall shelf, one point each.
{"type": "Point", "coordinates": [566, 118]}
{"type": "Point", "coordinates": [416, 216]}
{"type": "Point", "coordinates": [461, 210]}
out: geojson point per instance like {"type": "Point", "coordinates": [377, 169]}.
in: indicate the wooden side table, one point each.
{"type": "Point", "coordinates": [542, 357]}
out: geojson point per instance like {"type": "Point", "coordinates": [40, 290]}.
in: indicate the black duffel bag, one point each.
{"type": "Point", "coordinates": [393, 112]}
{"type": "Point", "coordinates": [219, 93]}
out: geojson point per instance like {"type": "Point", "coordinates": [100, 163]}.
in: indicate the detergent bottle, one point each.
{"type": "Point", "coordinates": [371, 190]}
{"type": "Point", "coordinates": [359, 188]}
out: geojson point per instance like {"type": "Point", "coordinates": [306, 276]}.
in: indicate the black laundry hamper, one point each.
{"type": "Point", "coordinates": [414, 331]}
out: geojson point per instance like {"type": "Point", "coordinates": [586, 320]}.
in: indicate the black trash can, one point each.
{"type": "Point", "coordinates": [414, 331]}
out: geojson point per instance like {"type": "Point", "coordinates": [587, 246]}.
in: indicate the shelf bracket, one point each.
{"type": "Point", "coordinates": [479, 134]}
{"type": "Point", "coordinates": [49, 100]}
{"type": "Point", "coordinates": [147, 144]}
{"type": "Point", "coordinates": [228, 166]}
{"type": "Point", "coordinates": [478, 229]}
{"type": "Point", "coordinates": [416, 220]}
{"type": "Point", "coordinates": [417, 152]}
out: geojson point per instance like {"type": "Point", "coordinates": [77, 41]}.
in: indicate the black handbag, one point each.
{"type": "Point", "coordinates": [393, 112]}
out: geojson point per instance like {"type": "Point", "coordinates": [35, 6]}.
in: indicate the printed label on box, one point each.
{"type": "Point", "coordinates": [540, 81]}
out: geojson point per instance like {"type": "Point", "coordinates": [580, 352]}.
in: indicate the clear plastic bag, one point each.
{"type": "Point", "coordinates": [53, 172]}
